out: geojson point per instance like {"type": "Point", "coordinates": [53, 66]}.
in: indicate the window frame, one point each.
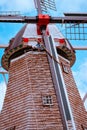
{"type": "Point", "coordinates": [47, 100]}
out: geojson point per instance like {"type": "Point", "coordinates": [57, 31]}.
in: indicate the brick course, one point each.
{"type": "Point", "coordinates": [76, 103]}
{"type": "Point", "coordinates": [29, 80]}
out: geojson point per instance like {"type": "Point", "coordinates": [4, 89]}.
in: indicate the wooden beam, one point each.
{"type": "Point", "coordinates": [3, 45]}
{"type": "Point", "coordinates": [27, 19]}
{"type": "Point", "coordinates": [80, 47]}
{"type": "Point", "coordinates": [84, 98]}
{"type": "Point", "coordinates": [3, 72]}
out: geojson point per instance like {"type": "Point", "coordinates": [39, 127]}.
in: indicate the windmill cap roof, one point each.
{"type": "Point", "coordinates": [27, 38]}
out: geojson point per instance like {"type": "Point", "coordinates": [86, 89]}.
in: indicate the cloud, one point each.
{"type": "Point", "coordinates": [2, 94]}
{"type": "Point", "coordinates": [80, 76]}
{"type": "Point", "coordinates": [28, 6]}
{"type": "Point", "coordinates": [17, 5]}
{"type": "Point", "coordinates": [71, 6]}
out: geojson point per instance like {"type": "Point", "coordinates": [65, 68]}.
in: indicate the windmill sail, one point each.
{"type": "Point", "coordinates": [76, 31]}
{"type": "Point", "coordinates": [45, 5]}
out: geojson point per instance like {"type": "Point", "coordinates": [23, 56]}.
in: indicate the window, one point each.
{"type": "Point", "coordinates": [66, 68]}
{"type": "Point", "coordinates": [47, 100]}
{"type": "Point", "coordinates": [11, 128]}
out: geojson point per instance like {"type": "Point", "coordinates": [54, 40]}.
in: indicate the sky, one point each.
{"type": "Point", "coordinates": [26, 7]}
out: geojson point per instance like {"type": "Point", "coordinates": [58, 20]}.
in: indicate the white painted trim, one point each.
{"type": "Point", "coordinates": [23, 55]}
{"type": "Point", "coordinates": [15, 59]}
{"type": "Point", "coordinates": [64, 58]}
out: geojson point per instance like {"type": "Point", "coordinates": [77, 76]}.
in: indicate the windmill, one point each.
{"type": "Point", "coordinates": [46, 43]}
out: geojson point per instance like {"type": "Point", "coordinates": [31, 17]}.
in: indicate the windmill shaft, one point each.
{"type": "Point", "coordinates": [26, 19]}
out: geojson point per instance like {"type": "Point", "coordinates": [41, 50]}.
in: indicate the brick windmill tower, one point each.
{"type": "Point", "coordinates": [41, 92]}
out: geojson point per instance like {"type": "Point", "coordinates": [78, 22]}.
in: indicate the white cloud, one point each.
{"type": "Point", "coordinates": [2, 94]}
{"type": "Point", "coordinates": [80, 76]}
{"type": "Point", "coordinates": [17, 5]}
{"type": "Point", "coordinates": [28, 5]}
{"type": "Point", "coordinates": [71, 6]}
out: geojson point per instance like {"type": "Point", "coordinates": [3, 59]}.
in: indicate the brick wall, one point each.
{"type": "Point", "coordinates": [29, 80]}
{"type": "Point", "coordinates": [76, 103]}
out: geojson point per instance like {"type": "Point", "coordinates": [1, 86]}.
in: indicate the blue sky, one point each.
{"type": "Point", "coordinates": [26, 7]}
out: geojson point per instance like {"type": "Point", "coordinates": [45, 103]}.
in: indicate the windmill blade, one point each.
{"type": "Point", "coordinates": [75, 14]}
{"type": "Point", "coordinates": [48, 4]}
{"type": "Point", "coordinates": [68, 19]}
{"type": "Point", "coordinates": [27, 19]}
{"type": "Point", "coordinates": [80, 47]}
{"type": "Point", "coordinates": [44, 5]}
{"type": "Point", "coordinates": [17, 19]}
{"type": "Point", "coordinates": [3, 45]}
{"type": "Point", "coordinates": [35, 2]}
